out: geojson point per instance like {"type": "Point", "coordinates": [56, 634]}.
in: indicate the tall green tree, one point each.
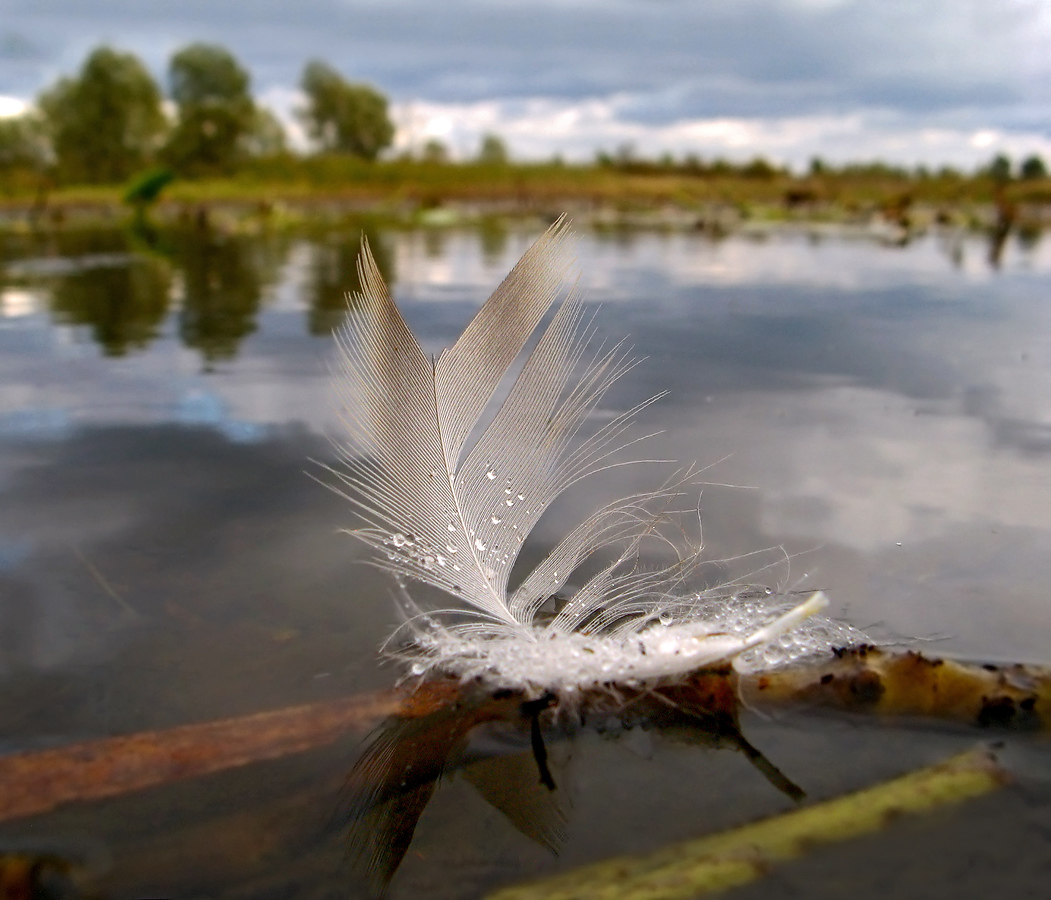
{"type": "Point", "coordinates": [343, 117]}
{"type": "Point", "coordinates": [107, 121]}
{"type": "Point", "coordinates": [216, 113]}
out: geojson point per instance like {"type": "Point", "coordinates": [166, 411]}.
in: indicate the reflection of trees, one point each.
{"type": "Point", "coordinates": [123, 305]}
{"type": "Point", "coordinates": [334, 273]}
{"type": "Point", "coordinates": [434, 241]}
{"type": "Point", "coordinates": [224, 277]}
{"type": "Point", "coordinates": [74, 243]}
{"type": "Point", "coordinates": [1029, 235]}
{"type": "Point", "coordinates": [122, 299]}
{"type": "Point", "coordinates": [493, 235]}
{"type": "Point", "coordinates": [124, 296]}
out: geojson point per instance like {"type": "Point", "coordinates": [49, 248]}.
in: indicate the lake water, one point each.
{"type": "Point", "coordinates": [880, 414]}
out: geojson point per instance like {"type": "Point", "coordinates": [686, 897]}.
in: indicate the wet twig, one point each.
{"type": "Point", "coordinates": [720, 861]}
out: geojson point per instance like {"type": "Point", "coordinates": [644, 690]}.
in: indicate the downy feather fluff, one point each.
{"type": "Point", "coordinates": [452, 461]}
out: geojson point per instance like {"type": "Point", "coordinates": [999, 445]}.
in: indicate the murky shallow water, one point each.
{"type": "Point", "coordinates": [883, 413]}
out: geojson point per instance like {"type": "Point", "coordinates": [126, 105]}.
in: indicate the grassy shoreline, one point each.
{"type": "Point", "coordinates": [285, 190]}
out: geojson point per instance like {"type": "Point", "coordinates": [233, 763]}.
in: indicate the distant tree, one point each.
{"type": "Point", "coordinates": [493, 151]}
{"type": "Point", "coordinates": [875, 169]}
{"type": "Point", "coordinates": [759, 168]}
{"type": "Point", "coordinates": [1000, 169]}
{"type": "Point", "coordinates": [1033, 168]}
{"type": "Point", "coordinates": [626, 154]}
{"type": "Point", "coordinates": [106, 122]}
{"type": "Point", "coordinates": [267, 135]}
{"type": "Point", "coordinates": [216, 113]}
{"type": "Point", "coordinates": [692, 164]}
{"type": "Point", "coordinates": [434, 151]}
{"type": "Point", "coordinates": [818, 166]}
{"type": "Point", "coordinates": [343, 117]}
{"type": "Point", "coordinates": [720, 167]}
{"type": "Point", "coordinates": [23, 143]}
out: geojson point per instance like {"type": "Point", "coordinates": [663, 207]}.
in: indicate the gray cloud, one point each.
{"type": "Point", "coordinates": [956, 66]}
{"type": "Point", "coordinates": [754, 57]}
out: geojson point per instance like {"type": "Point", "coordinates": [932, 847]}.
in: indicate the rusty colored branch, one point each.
{"type": "Point", "coordinates": [39, 781]}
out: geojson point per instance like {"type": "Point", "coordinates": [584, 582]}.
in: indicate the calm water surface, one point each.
{"type": "Point", "coordinates": [883, 414]}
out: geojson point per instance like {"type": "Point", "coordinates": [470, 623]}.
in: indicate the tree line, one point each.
{"type": "Point", "coordinates": [1001, 169]}
{"type": "Point", "coordinates": [112, 120]}
{"type": "Point", "coordinates": [109, 120]}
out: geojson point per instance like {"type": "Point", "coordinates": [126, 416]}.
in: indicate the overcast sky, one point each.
{"type": "Point", "coordinates": [911, 81]}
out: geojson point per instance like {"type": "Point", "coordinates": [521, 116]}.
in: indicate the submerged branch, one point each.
{"type": "Point", "coordinates": [38, 781]}
{"type": "Point", "coordinates": [865, 679]}
{"type": "Point", "coordinates": [872, 680]}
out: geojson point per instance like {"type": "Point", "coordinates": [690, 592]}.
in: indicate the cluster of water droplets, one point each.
{"type": "Point", "coordinates": [484, 540]}
{"type": "Point", "coordinates": [565, 660]}
{"type": "Point", "coordinates": [406, 548]}
{"type": "Point", "coordinates": [557, 660]}
{"type": "Point", "coordinates": [742, 614]}
{"type": "Point", "coordinates": [496, 549]}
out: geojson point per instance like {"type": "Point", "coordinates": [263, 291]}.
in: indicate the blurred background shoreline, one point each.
{"type": "Point", "coordinates": [107, 140]}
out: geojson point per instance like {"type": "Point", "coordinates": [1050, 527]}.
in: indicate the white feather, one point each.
{"type": "Point", "coordinates": [451, 467]}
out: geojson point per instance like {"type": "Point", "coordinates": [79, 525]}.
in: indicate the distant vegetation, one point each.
{"type": "Point", "coordinates": [342, 117]}
{"type": "Point", "coordinates": [110, 132]}
{"type": "Point", "coordinates": [107, 123]}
